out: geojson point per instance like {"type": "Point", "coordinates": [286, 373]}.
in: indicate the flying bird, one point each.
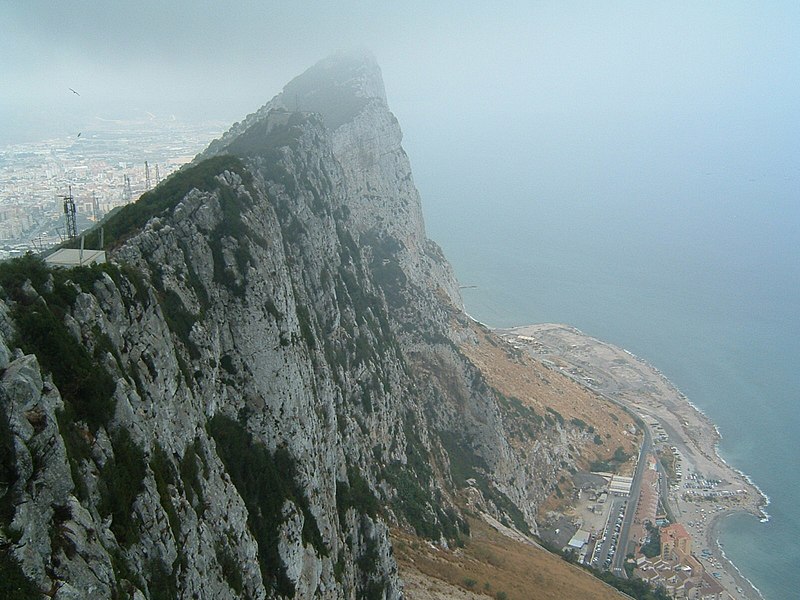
{"type": "Point", "coordinates": [74, 92]}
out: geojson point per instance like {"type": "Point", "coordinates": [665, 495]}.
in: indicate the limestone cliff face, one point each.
{"type": "Point", "coordinates": [265, 377]}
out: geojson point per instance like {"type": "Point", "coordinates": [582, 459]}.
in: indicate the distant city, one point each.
{"type": "Point", "coordinates": [103, 167]}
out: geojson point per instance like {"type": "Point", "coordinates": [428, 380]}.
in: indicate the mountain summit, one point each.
{"type": "Point", "coordinates": [272, 371]}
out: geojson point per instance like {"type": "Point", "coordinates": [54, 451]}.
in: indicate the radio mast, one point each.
{"type": "Point", "coordinates": [95, 207]}
{"type": "Point", "coordinates": [127, 193]}
{"type": "Point", "coordinates": [69, 214]}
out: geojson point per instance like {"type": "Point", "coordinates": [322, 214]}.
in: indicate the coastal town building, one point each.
{"type": "Point", "coordinates": [677, 570]}
{"type": "Point", "coordinates": [647, 505]}
{"type": "Point", "coordinates": [620, 486]}
{"type": "Point", "coordinates": [676, 543]}
{"type": "Point", "coordinates": [105, 167]}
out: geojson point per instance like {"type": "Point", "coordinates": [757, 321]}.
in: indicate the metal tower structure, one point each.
{"type": "Point", "coordinates": [127, 193]}
{"type": "Point", "coordinates": [146, 176]}
{"type": "Point", "coordinates": [95, 207]}
{"type": "Point", "coordinates": [158, 176]}
{"type": "Point", "coordinates": [69, 214]}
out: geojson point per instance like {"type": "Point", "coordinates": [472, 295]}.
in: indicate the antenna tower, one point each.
{"type": "Point", "coordinates": [158, 177]}
{"type": "Point", "coordinates": [127, 193]}
{"type": "Point", "coordinates": [95, 207]}
{"type": "Point", "coordinates": [146, 176]}
{"type": "Point", "coordinates": [69, 213]}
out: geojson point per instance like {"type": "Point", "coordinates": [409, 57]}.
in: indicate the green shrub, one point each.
{"type": "Point", "coordinates": [165, 475]}
{"type": "Point", "coordinates": [226, 362]}
{"type": "Point", "coordinates": [635, 588]}
{"type": "Point", "coordinates": [83, 383]}
{"type": "Point", "coordinates": [179, 320]}
{"type": "Point", "coordinates": [579, 423]}
{"type": "Point", "coordinates": [265, 481]}
{"type": "Point", "coordinates": [357, 494]}
{"type": "Point", "coordinates": [132, 217]}
{"type": "Point", "coordinates": [14, 273]}
{"type": "Point", "coordinates": [162, 580]}
{"type": "Point", "coordinates": [620, 456]}
{"type": "Point", "coordinates": [556, 415]}
{"type": "Point", "coordinates": [14, 585]}
{"type": "Point", "coordinates": [425, 511]}
{"type": "Point", "coordinates": [121, 481]}
{"type": "Point", "coordinates": [190, 475]}
{"type": "Point", "coordinates": [523, 411]}
{"type": "Point", "coordinates": [413, 501]}
{"type": "Point", "coordinates": [610, 464]}
{"type": "Point", "coordinates": [264, 137]}
{"type": "Point", "coordinates": [464, 463]}
{"type": "Point", "coordinates": [8, 465]}
{"type": "Point", "coordinates": [231, 569]}
{"type": "Point", "coordinates": [653, 546]}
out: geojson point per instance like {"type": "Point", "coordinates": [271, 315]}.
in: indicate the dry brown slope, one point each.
{"type": "Point", "coordinates": [516, 374]}
{"type": "Point", "coordinates": [489, 565]}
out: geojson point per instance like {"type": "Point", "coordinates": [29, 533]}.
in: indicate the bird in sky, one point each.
{"type": "Point", "coordinates": [74, 92]}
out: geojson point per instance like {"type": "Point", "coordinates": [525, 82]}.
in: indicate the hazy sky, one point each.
{"type": "Point", "coordinates": [619, 63]}
{"type": "Point", "coordinates": [596, 107]}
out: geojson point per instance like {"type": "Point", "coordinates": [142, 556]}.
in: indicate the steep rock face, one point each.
{"type": "Point", "coordinates": [347, 92]}
{"type": "Point", "coordinates": [266, 376]}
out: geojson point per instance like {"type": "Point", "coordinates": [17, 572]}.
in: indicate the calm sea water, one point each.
{"type": "Point", "coordinates": [708, 293]}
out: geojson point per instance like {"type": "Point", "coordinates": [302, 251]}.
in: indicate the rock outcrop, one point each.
{"type": "Point", "coordinates": [264, 378]}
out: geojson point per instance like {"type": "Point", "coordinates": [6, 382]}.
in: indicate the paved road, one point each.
{"type": "Point", "coordinates": [616, 507]}
{"type": "Point", "coordinates": [622, 549]}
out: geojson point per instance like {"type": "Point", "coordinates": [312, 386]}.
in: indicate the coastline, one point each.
{"type": "Point", "coordinates": [632, 382]}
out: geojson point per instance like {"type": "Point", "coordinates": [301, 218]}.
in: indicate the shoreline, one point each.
{"type": "Point", "coordinates": [714, 533]}
{"type": "Point", "coordinates": [762, 515]}
{"type": "Point", "coordinates": [634, 383]}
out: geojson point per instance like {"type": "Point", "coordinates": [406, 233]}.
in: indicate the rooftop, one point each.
{"type": "Point", "coordinates": [73, 257]}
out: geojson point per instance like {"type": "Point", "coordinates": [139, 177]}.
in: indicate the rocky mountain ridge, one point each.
{"type": "Point", "coordinates": [266, 375]}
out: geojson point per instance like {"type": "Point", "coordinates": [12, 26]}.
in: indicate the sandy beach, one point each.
{"type": "Point", "coordinates": [703, 488]}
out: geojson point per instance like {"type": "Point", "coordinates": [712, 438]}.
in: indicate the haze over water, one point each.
{"type": "Point", "coordinates": [700, 278]}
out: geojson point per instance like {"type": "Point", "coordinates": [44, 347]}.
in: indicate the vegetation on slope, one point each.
{"type": "Point", "coordinates": [85, 388]}
{"type": "Point", "coordinates": [14, 585]}
{"type": "Point", "coordinates": [8, 468]}
{"type": "Point", "coordinates": [417, 498]}
{"type": "Point", "coordinates": [121, 223]}
{"type": "Point", "coordinates": [265, 480]}
{"type": "Point", "coordinates": [121, 480]}
{"type": "Point", "coordinates": [503, 568]}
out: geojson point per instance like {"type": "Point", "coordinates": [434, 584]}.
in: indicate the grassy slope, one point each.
{"type": "Point", "coordinates": [520, 571]}
{"type": "Point", "coordinates": [518, 375]}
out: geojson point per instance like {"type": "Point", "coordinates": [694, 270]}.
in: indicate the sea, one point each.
{"type": "Point", "coordinates": [705, 289]}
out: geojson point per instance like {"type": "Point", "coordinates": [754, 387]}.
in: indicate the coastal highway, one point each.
{"type": "Point", "coordinates": [618, 562]}
{"type": "Point", "coordinates": [617, 567]}
{"type": "Point", "coordinates": [595, 374]}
